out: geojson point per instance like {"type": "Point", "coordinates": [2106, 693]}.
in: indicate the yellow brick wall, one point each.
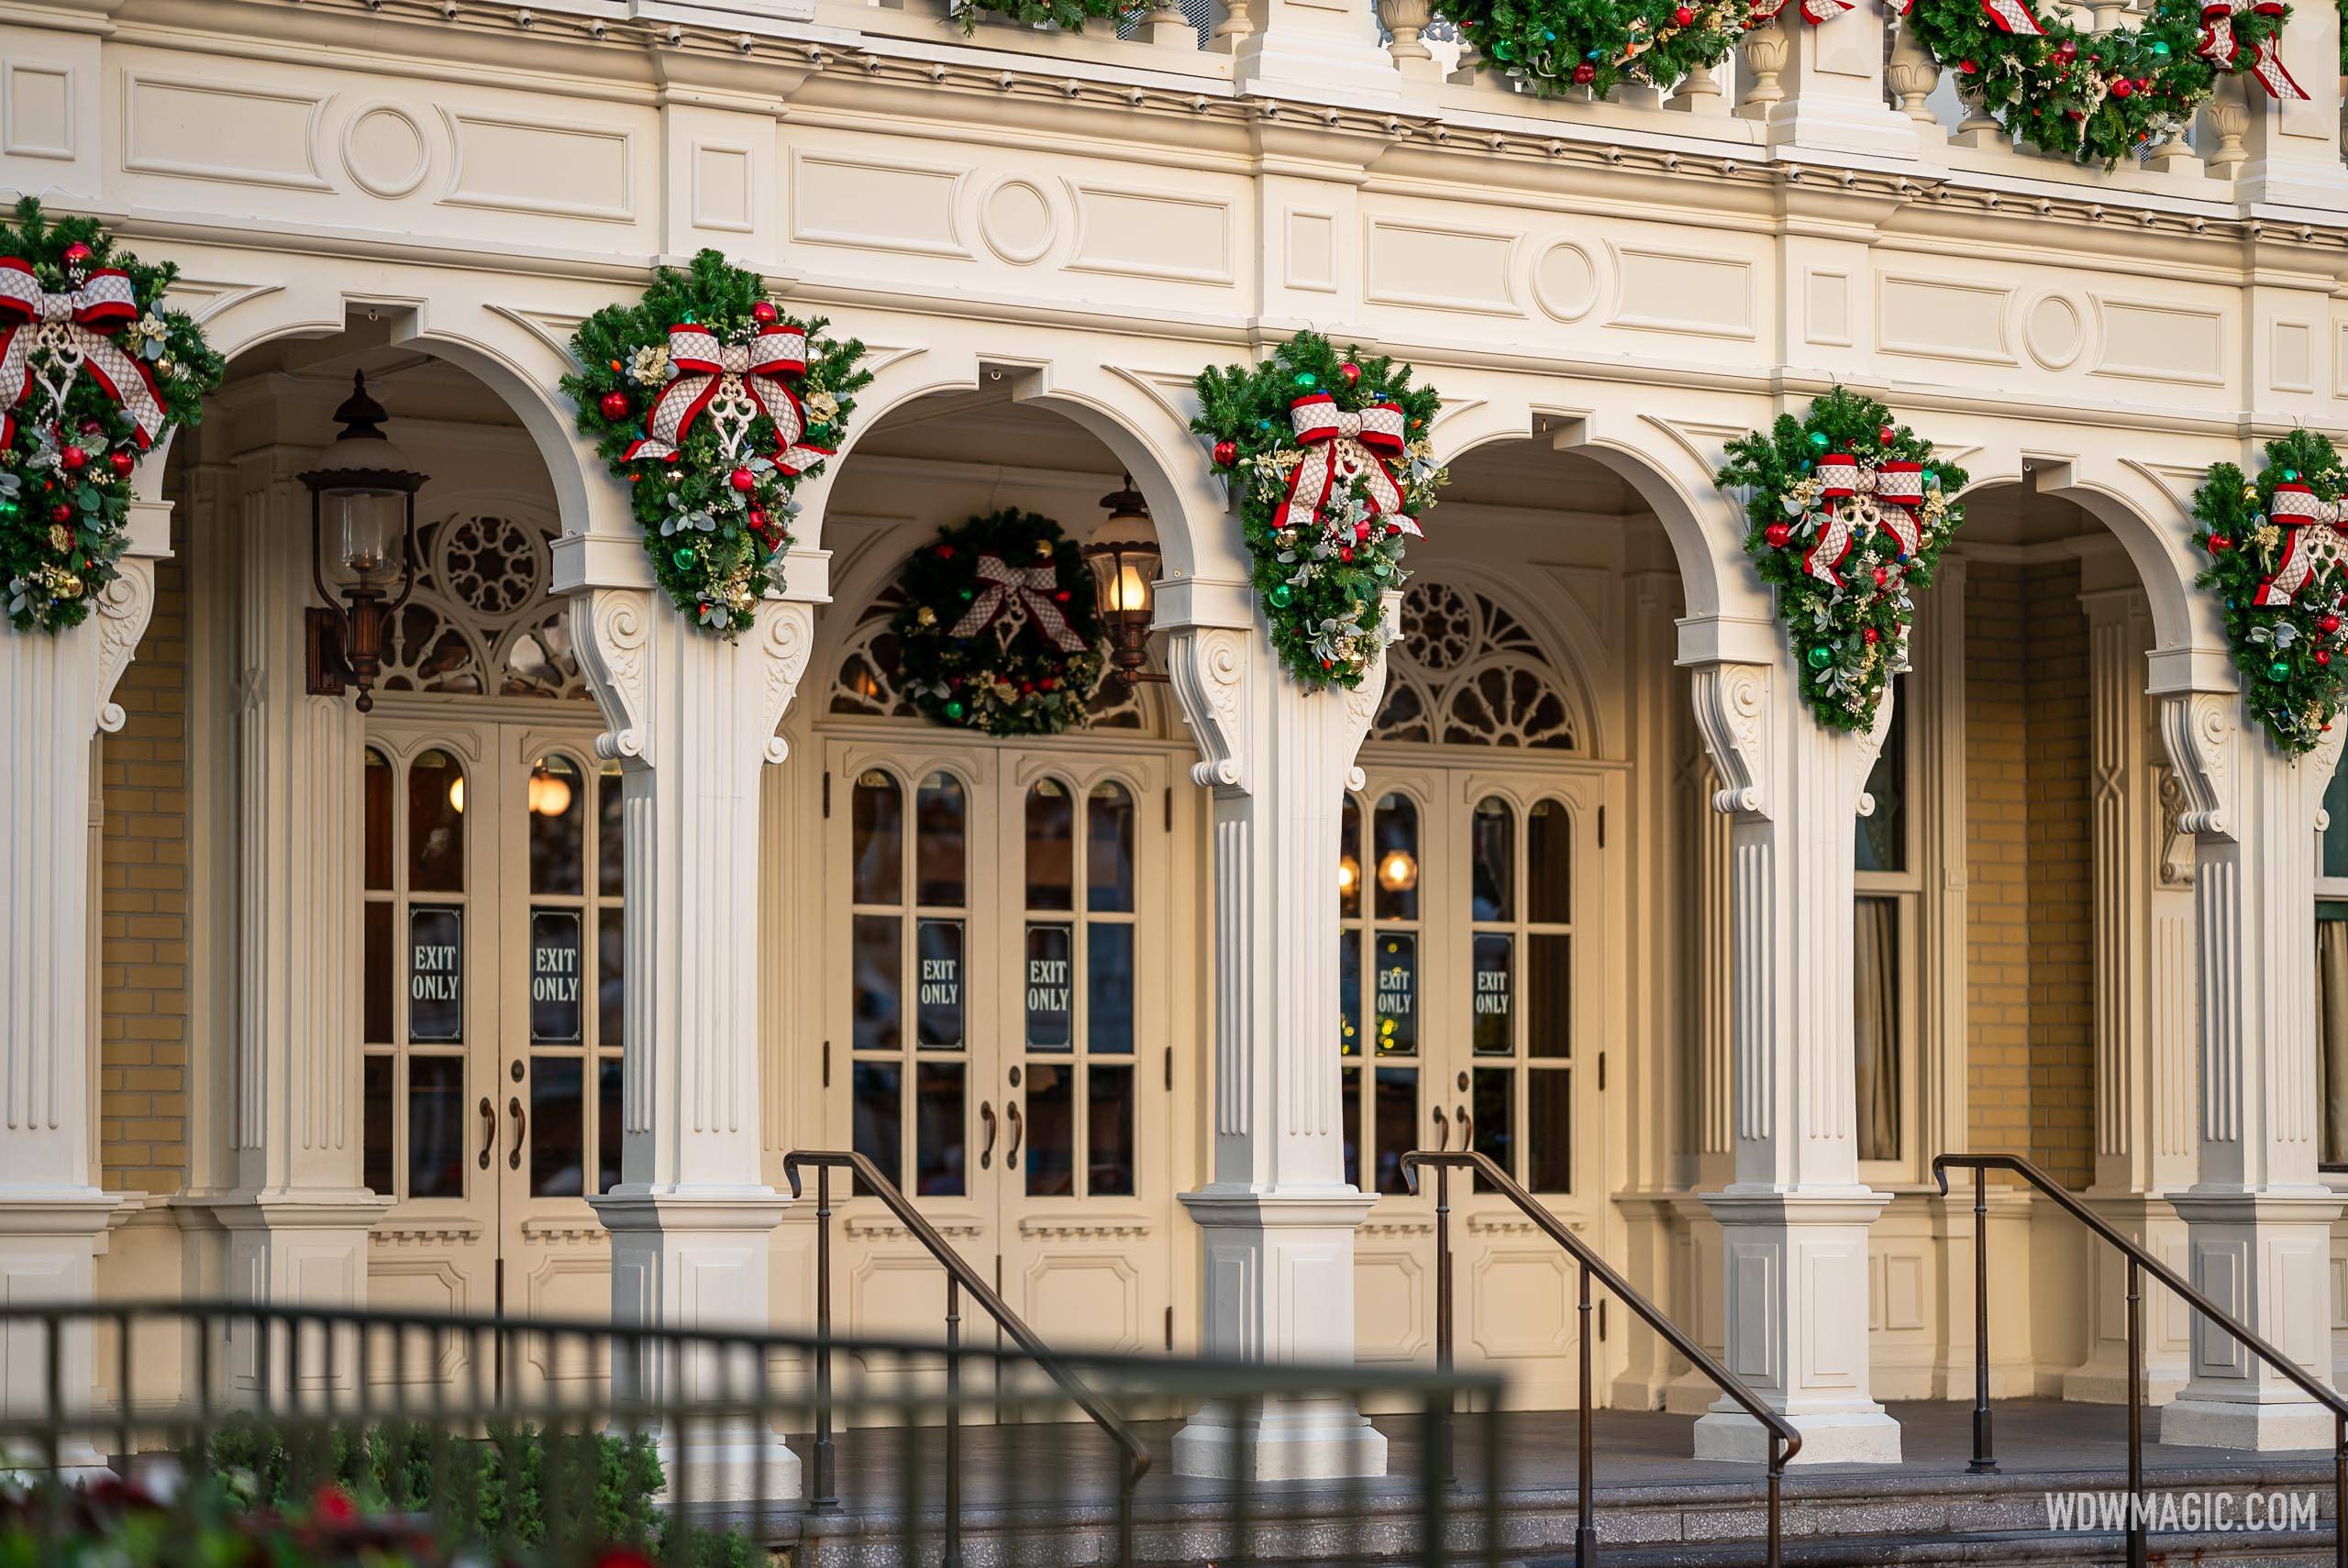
{"type": "Point", "coordinates": [143, 956]}
{"type": "Point", "coordinates": [2030, 1075]}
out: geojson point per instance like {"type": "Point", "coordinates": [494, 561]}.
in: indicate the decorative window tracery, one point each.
{"type": "Point", "coordinates": [1467, 672]}
{"type": "Point", "coordinates": [868, 685]}
{"type": "Point", "coordinates": [480, 622]}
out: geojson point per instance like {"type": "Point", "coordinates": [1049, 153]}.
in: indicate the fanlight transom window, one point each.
{"type": "Point", "coordinates": [480, 623]}
{"type": "Point", "coordinates": [1467, 672]}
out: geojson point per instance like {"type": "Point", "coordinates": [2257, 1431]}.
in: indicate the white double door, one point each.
{"type": "Point", "coordinates": [491, 1022]}
{"type": "Point", "coordinates": [1479, 992]}
{"type": "Point", "coordinates": [998, 957]}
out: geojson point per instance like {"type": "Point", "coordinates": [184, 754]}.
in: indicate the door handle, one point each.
{"type": "Point", "coordinates": [986, 1116]}
{"type": "Point", "coordinates": [1442, 1131]}
{"type": "Point", "coordinates": [520, 1131]}
{"type": "Point", "coordinates": [1018, 1130]}
{"type": "Point", "coordinates": [488, 1129]}
{"type": "Point", "coordinates": [1466, 1129]}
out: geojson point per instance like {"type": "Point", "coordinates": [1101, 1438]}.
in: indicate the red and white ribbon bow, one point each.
{"type": "Point", "coordinates": [2220, 44]}
{"type": "Point", "coordinates": [735, 382]}
{"type": "Point", "coordinates": [70, 332]}
{"type": "Point", "coordinates": [1014, 594]}
{"type": "Point", "coordinates": [2311, 543]}
{"type": "Point", "coordinates": [1342, 445]}
{"type": "Point", "coordinates": [1857, 502]}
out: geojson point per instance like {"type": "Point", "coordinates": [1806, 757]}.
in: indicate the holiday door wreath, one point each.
{"type": "Point", "coordinates": [999, 631]}
{"type": "Point", "coordinates": [1329, 461]}
{"type": "Point", "coordinates": [2275, 550]}
{"type": "Point", "coordinates": [1848, 514]}
{"type": "Point", "coordinates": [94, 372]}
{"type": "Point", "coordinates": [712, 404]}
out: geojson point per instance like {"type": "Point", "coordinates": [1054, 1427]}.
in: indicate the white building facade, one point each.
{"type": "Point", "coordinates": [269, 1027]}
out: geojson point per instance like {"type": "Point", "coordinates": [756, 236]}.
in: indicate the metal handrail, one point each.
{"type": "Point", "coordinates": [1784, 1441]}
{"type": "Point", "coordinates": [960, 1276]}
{"type": "Point", "coordinates": [2140, 1262]}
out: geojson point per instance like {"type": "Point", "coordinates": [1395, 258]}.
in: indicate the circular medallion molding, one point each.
{"type": "Point", "coordinates": [384, 149]}
{"type": "Point", "coordinates": [2053, 330]}
{"type": "Point", "coordinates": [1565, 280]}
{"type": "Point", "coordinates": [1016, 220]}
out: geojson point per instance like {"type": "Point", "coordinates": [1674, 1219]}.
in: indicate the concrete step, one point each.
{"type": "Point", "coordinates": [1985, 1549]}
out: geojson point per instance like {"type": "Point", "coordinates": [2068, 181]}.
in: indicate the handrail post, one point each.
{"type": "Point", "coordinates": [1585, 1528]}
{"type": "Point", "coordinates": [2339, 1490]}
{"type": "Point", "coordinates": [1984, 1458]}
{"type": "Point", "coordinates": [2136, 1545]}
{"type": "Point", "coordinates": [1777, 1499]}
{"type": "Point", "coordinates": [823, 1496]}
{"type": "Point", "coordinates": [953, 1422]}
{"type": "Point", "coordinates": [1442, 1302]}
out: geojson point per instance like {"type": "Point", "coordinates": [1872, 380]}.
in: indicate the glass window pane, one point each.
{"type": "Point", "coordinates": [879, 975]}
{"type": "Point", "coordinates": [1492, 834]}
{"type": "Point", "coordinates": [1495, 980]}
{"type": "Point", "coordinates": [1883, 835]}
{"type": "Point", "coordinates": [1109, 990]}
{"type": "Point", "coordinates": [1548, 995]}
{"type": "Point", "coordinates": [435, 972]}
{"type": "Point", "coordinates": [1397, 826]}
{"type": "Point", "coordinates": [940, 838]}
{"type": "Point", "coordinates": [1398, 993]}
{"type": "Point", "coordinates": [611, 979]}
{"type": "Point", "coordinates": [557, 799]}
{"type": "Point", "coordinates": [1109, 1131]}
{"type": "Point", "coordinates": [558, 1128]}
{"type": "Point", "coordinates": [377, 788]}
{"type": "Point", "coordinates": [880, 1116]}
{"type": "Point", "coordinates": [1549, 862]}
{"type": "Point", "coordinates": [1349, 860]}
{"type": "Point", "coordinates": [558, 1002]}
{"type": "Point", "coordinates": [1051, 998]}
{"type": "Point", "coordinates": [1051, 846]}
{"type": "Point", "coordinates": [1109, 850]}
{"type": "Point", "coordinates": [937, 1003]}
{"type": "Point", "coordinates": [1349, 993]}
{"type": "Point", "coordinates": [1493, 1111]}
{"type": "Point", "coordinates": [376, 1133]}
{"type": "Point", "coordinates": [610, 835]}
{"type": "Point", "coordinates": [608, 1145]}
{"type": "Point", "coordinates": [1051, 1130]}
{"type": "Point", "coordinates": [939, 1136]}
{"type": "Point", "coordinates": [1349, 1092]}
{"type": "Point", "coordinates": [1398, 1124]}
{"type": "Point", "coordinates": [877, 839]}
{"type": "Point", "coordinates": [380, 982]}
{"type": "Point", "coordinates": [435, 1127]}
{"type": "Point", "coordinates": [436, 825]}
{"type": "Point", "coordinates": [1549, 1140]}
{"type": "Point", "coordinates": [2334, 861]}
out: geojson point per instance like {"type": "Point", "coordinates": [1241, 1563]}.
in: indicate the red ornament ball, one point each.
{"type": "Point", "coordinates": [60, 513]}
{"type": "Point", "coordinates": [1779, 535]}
{"type": "Point", "coordinates": [1584, 72]}
{"type": "Point", "coordinates": [92, 428]}
{"type": "Point", "coordinates": [757, 517]}
{"type": "Point", "coordinates": [764, 312]}
{"type": "Point", "coordinates": [1682, 16]}
{"type": "Point", "coordinates": [1882, 576]}
{"type": "Point", "coordinates": [1345, 553]}
{"type": "Point", "coordinates": [1351, 371]}
{"type": "Point", "coordinates": [2123, 87]}
{"type": "Point", "coordinates": [1870, 636]}
{"type": "Point", "coordinates": [743, 479]}
{"type": "Point", "coordinates": [123, 462]}
{"type": "Point", "coordinates": [1970, 67]}
{"type": "Point", "coordinates": [614, 405]}
{"type": "Point", "coordinates": [2219, 542]}
{"type": "Point", "coordinates": [1226, 453]}
{"type": "Point", "coordinates": [1887, 436]}
{"type": "Point", "coordinates": [77, 255]}
{"type": "Point", "coordinates": [2323, 656]}
{"type": "Point", "coordinates": [2329, 624]}
{"type": "Point", "coordinates": [945, 552]}
{"type": "Point", "coordinates": [73, 459]}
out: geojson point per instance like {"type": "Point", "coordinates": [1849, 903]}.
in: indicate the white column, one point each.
{"type": "Point", "coordinates": [1833, 89]}
{"type": "Point", "coordinates": [2258, 1219]}
{"type": "Point", "coordinates": [56, 694]}
{"type": "Point", "coordinates": [298, 1214]}
{"type": "Point", "coordinates": [2144, 998]}
{"type": "Point", "coordinates": [1794, 1220]}
{"type": "Point", "coordinates": [1277, 1213]}
{"type": "Point", "coordinates": [695, 719]}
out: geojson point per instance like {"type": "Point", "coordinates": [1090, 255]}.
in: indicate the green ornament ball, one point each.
{"type": "Point", "coordinates": [2160, 49]}
{"type": "Point", "coordinates": [1818, 440]}
{"type": "Point", "coordinates": [1820, 656]}
{"type": "Point", "coordinates": [2279, 670]}
{"type": "Point", "coordinates": [1281, 596]}
{"type": "Point", "coordinates": [954, 708]}
{"type": "Point", "coordinates": [2290, 475]}
{"type": "Point", "coordinates": [683, 557]}
{"type": "Point", "coordinates": [1307, 379]}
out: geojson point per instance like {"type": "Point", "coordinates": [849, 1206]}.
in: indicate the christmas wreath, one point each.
{"type": "Point", "coordinates": [999, 631]}
{"type": "Point", "coordinates": [1070, 14]}
{"type": "Point", "coordinates": [1313, 441]}
{"type": "Point", "coordinates": [93, 373]}
{"type": "Point", "coordinates": [1848, 514]}
{"type": "Point", "coordinates": [712, 404]}
{"type": "Point", "coordinates": [2276, 562]}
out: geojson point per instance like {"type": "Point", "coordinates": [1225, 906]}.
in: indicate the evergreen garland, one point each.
{"type": "Point", "coordinates": [1069, 15]}
{"type": "Point", "coordinates": [715, 517]}
{"type": "Point", "coordinates": [1849, 636]}
{"type": "Point", "coordinates": [1558, 45]}
{"type": "Point", "coordinates": [1007, 674]}
{"type": "Point", "coordinates": [2291, 650]}
{"type": "Point", "coordinates": [66, 468]}
{"type": "Point", "coordinates": [1320, 581]}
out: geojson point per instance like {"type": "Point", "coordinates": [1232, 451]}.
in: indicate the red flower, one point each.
{"type": "Point", "coordinates": [332, 1507]}
{"type": "Point", "coordinates": [623, 1557]}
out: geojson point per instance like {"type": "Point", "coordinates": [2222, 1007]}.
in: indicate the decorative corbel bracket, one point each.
{"type": "Point", "coordinates": [2202, 732]}
{"type": "Point", "coordinates": [1871, 745]}
{"type": "Point", "coordinates": [610, 628]}
{"type": "Point", "coordinates": [1209, 669]}
{"type": "Point", "coordinates": [787, 634]}
{"type": "Point", "coordinates": [1732, 702]}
